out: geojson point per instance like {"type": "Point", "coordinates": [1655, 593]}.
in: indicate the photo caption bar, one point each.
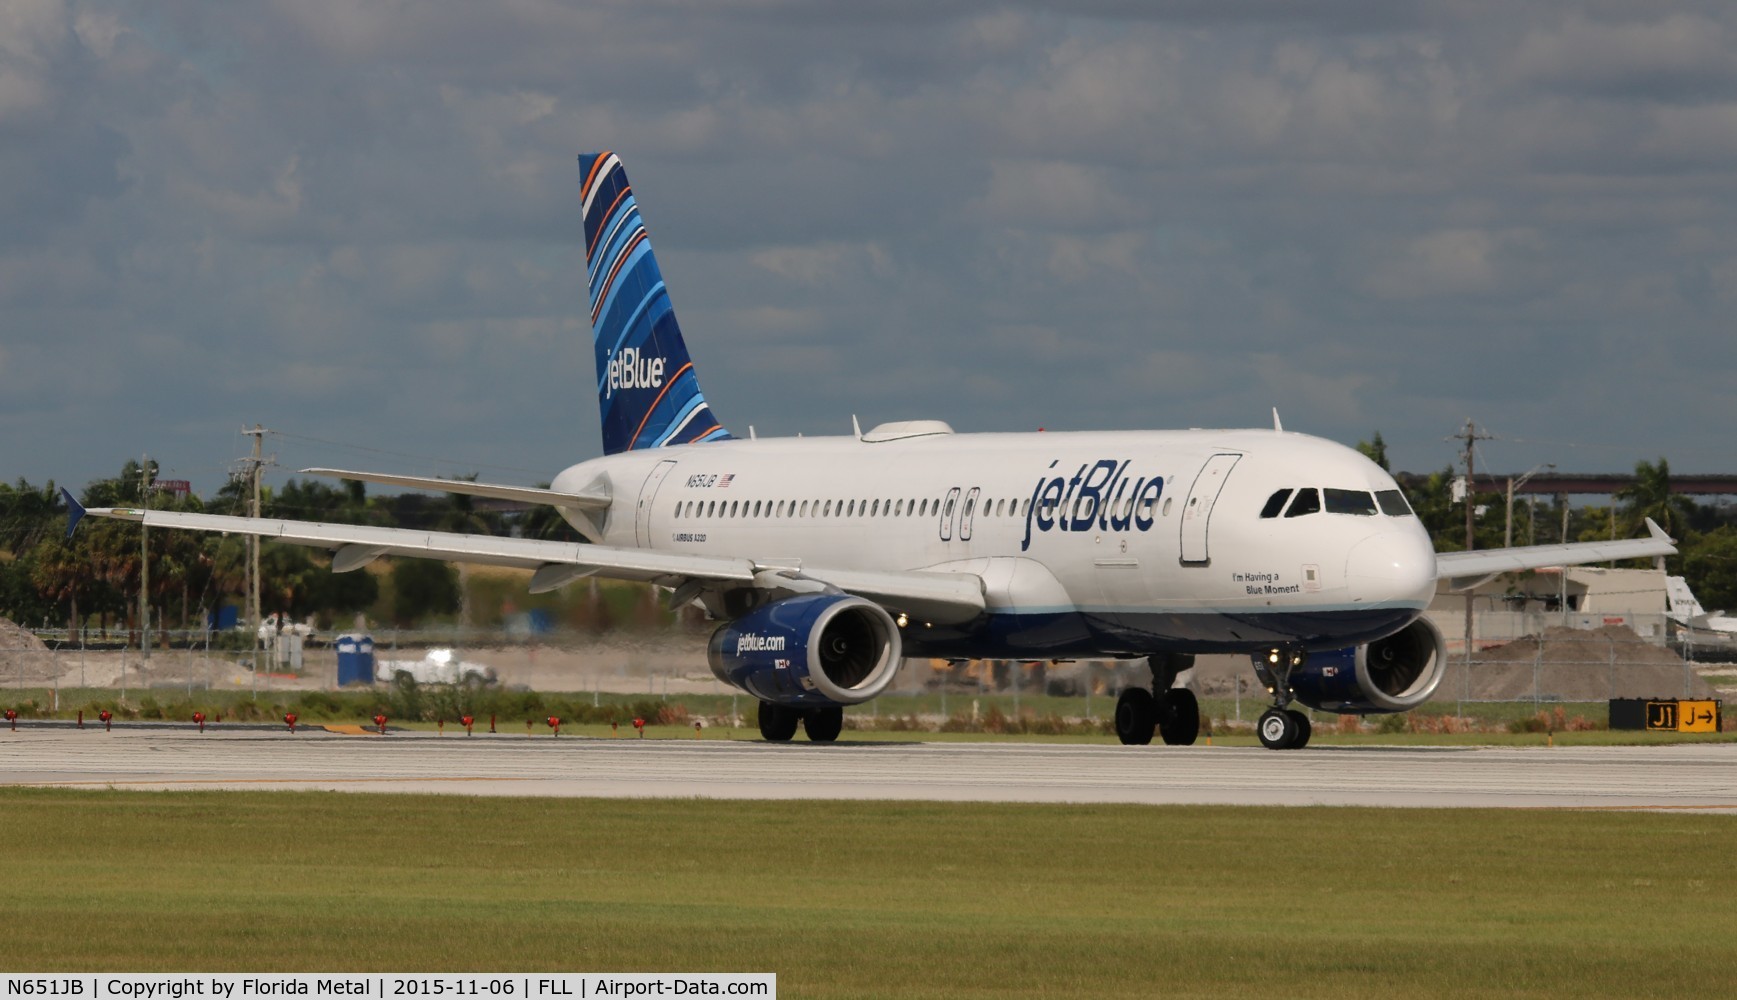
{"type": "Point", "coordinates": [387, 985]}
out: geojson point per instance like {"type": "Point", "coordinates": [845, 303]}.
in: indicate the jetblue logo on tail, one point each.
{"type": "Point", "coordinates": [636, 340]}
{"type": "Point", "coordinates": [628, 370]}
{"type": "Point", "coordinates": [1099, 496]}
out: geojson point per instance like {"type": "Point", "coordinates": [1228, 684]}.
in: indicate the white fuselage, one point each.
{"type": "Point", "coordinates": [1108, 543]}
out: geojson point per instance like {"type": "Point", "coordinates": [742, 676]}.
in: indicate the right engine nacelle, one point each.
{"type": "Point", "coordinates": [1395, 674]}
{"type": "Point", "coordinates": [812, 650]}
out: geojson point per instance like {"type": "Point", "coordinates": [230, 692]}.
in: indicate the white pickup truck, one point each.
{"type": "Point", "coordinates": [439, 666]}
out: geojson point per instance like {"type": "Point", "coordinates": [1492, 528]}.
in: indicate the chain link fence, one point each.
{"type": "Point", "coordinates": [1536, 658]}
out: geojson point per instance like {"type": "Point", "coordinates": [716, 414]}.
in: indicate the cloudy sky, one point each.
{"type": "Point", "coordinates": [357, 224]}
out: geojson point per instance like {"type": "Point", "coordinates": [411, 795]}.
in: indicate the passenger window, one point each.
{"type": "Point", "coordinates": [1167, 505]}
{"type": "Point", "coordinates": [875, 511]}
{"type": "Point", "coordinates": [711, 508]}
{"type": "Point", "coordinates": [756, 508]}
{"type": "Point", "coordinates": [1276, 503]}
{"type": "Point", "coordinates": [1307, 501]}
{"type": "Point", "coordinates": [970, 502]}
{"type": "Point", "coordinates": [1350, 502]}
{"type": "Point", "coordinates": [804, 508]}
{"type": "Point", "coordinates": [1393, 503]}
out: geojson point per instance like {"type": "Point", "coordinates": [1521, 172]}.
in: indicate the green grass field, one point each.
{"type": "Point", "coordinates": [846, 899]}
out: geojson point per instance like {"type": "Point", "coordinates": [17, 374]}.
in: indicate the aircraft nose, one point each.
{"type": "Point", "coordinates": [1392, 567]}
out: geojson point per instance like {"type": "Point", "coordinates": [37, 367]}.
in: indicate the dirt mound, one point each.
{"type": "Point", "coordinates": [13, 638]}
{"type": "Point", "coordinates": [1567, 664]}
{"type": "Point", "coordinates": [23, 657]}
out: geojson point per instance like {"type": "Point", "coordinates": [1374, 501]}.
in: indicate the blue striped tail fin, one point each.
{"type": "Point", "coordinates": [646, 387]}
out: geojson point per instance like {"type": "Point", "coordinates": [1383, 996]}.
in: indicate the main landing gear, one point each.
{"type": "Point", "coordinates": [1282, 727]}
{"type": "Point", "coordinates": [778, 723]}
{"type": "Point", "coordinates": [1171, 712]}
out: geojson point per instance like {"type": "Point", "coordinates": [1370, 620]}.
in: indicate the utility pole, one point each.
{"type": "Point", "coordinates": [253, 622]}
{"type": "Point", "coordinates": [1513, 484]}
{"type": "Point", "coordinates": [1471, 436]}
{"type": "Point", "coordinates": [144, 560]}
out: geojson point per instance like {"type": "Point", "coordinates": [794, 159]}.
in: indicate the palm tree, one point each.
{"type": "Point", "coordinates": [1650, 496]}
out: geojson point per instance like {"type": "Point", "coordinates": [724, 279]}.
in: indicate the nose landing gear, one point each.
{"type": "Point", "coordinates": [1172, 712]}
{"type": "Point", "coordinates": [1282, 727]}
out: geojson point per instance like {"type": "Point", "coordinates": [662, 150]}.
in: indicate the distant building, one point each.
{"type": "Point", "coordinates": [1582, 597]}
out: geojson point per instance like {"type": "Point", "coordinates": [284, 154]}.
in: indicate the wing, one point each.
{"type": "Point", "coordinates": [948, 598]}
{"type": "Point", "coordinates": [1468, 569]}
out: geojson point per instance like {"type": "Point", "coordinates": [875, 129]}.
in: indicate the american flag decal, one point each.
{"type": "Point", "coordinates": [724, 480]}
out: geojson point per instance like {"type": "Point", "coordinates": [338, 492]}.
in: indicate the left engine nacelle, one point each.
{"type": "Point", "coordinates": [1395, 674]}
{"type": "Point", "coordinates": [814, 650]}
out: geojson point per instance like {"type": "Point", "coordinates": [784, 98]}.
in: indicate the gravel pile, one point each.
{"type": "Point", "coordinates": [1568, 664]}
{"type": "Point", "coordinates": [22, 654]}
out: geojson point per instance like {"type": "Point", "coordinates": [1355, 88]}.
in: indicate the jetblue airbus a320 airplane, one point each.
{"type": "Point", "coordinates": [829, 560]}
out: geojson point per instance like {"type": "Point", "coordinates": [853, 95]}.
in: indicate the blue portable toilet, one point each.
{"type": "Point", "coordinates": [355, 659]}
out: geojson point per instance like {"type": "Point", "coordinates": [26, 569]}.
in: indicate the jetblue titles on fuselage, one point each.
{"type": "Point", "coordinates": [1101, 495]}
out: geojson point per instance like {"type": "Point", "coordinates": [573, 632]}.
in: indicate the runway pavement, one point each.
{"type": "Point", "coordinates": [1695, 777]}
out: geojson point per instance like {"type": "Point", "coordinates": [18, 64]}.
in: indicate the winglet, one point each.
{"type": "Point", "coordinates": [74, 510]}
{"type": "Point", "coordinates": [1278, 428]}
{"type": "Point", "coordinates": [1658, 532]}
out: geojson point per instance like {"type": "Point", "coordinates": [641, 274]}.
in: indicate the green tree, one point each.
{"type": "Point", "coordinates": [1375, 451]}
{"type": "Point", "coordinates": [422, 588]}
{"type": "Point", "coordinates": [1650, 496]}
{"type": "Point", "coordinates": [28, 515]}
{"type": "Point", "coordinates": [1710, 566]}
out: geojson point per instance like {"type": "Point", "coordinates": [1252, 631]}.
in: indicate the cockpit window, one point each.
{"type": "Point", "coordinates": [1350, 502]}
{"type": "Point", "coordinates": [1307, 501]}
{"type": "Point", "coordinates": [1393, 504]}
{"type": "Point", "coordinates": [1275, 503]}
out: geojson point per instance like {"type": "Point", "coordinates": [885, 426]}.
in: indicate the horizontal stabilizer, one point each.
{"type": "Point", "coordinates": [524, 494]}
{"type": "Point", "coordinates": [370, 541]}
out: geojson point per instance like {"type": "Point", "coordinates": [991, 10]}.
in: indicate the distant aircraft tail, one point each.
{"type": "Point", "coordinates": [646, 387]}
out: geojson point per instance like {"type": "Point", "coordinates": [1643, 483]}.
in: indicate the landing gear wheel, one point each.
{"type": "Point", "coordinates": [1305, 729]}
{"type": "Point", "coordinates": [777, 723]}
{"type": "Point", "coordinates": [1278, 730]}
{"type": "Point", "coordinates": [823, 724]}
{"type": "Point", "coordinates": [1181, 726]}
{"type": "Point", "coordinates": [1136, 716]}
